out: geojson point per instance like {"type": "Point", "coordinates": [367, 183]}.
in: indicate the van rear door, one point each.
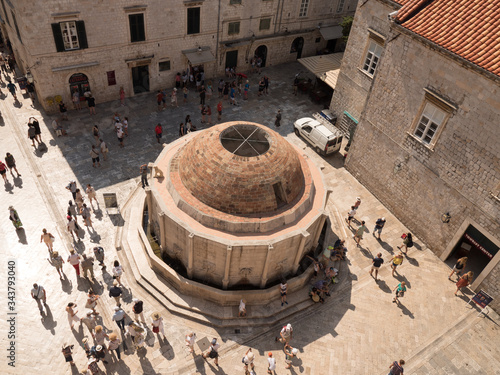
{"type": "Point", "coordinates": [333, 145]}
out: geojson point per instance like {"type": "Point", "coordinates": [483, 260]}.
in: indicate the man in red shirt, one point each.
{"type": "Point", "coordinates": [159, 99]}
{"type": "Point", "coordinates": [158, 131]}
{"type": "Point", "coordinates": [219, 110]}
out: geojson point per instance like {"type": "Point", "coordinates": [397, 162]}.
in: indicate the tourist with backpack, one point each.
{"type": "Point", "coordinates": [407, 242]}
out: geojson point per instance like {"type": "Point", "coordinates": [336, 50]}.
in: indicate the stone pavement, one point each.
{"type": "Point", "coordinates": [357, 331]}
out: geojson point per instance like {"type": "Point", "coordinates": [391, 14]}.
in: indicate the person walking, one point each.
{"type": "Point", "coordinates": [246, 89]}
{"type": "Point", "coordinates": [95, 132]}
{"type": "Point", "coordinates": [396, 368]}
{"type": "Point", "coordinates": [158, 132]}
{"type": "Point", "coordinates": [219, 110]}
{"type": "Point", "coordinates": [396, 261]}
{"type": "Point", "coordinates": [399, 290]}
{"type": "Point", "coordinates": [203, 112]}
{"type": "Point", "coordinates": [67, 351]}
{"type": "Point", "coordinates": [57, 261]}
{"type": "Point", "coordinates": [242, 310]}
{"type": "Point", "coordinates": [92, 302]}
{"type": "Point", "coordinates": [94, 154]}
{"type": "Point", "coordinates": [138, 310]}
{"type": "Point", "coordinates": [72, 188]}
{"type": "Point", "coordinates": [12, 89]}
{"type": "Point", "coordinates": [407, 242]}
{"type": "Point", "coordinates": [357, 203]}
{"type": "Point", "coordinates": [190, 340]}
{"type": "Point", "coordinates": [117, 272]}
{"type": "Point", "coordinates": [11, 164]}
{"type": "Point", "coordinates": [3, 172]}
{"type": "Point", "coordinates": [91, 194]}
{"type": "Point", "coordinates": [358, 236]}
{"type": "Point", "coordinates": [283, 289]}
{"type": "Point", "coordinates": [289, 354]}
{"type": "Point", "coordinates": [99, 256]}
{"type": "Point", "coordinates": [115, 291]}
{"type": "Point", "coordinates": [90, 322]}
{"type": "Point", "coordinates": [458, 267]}
{"type": "Point", "coordinates": [63, 111]}
{"type": "Point", "coordinates": [100, 353]}
{"type": "Point", "coordinates": [157, 323]}
{"type": "Point", "coordinates": [143, 170]}
{"type": "Point", "coordinates": [74, 260]}
{"type": "Point", "coordinates": [277, 122]}
{"type": "Point", "coordinates": [379, 225]}
{"type": "Point", "coordinates": [71, 226]}
{"type": "Point", "coordinates": [91, 104]}
{"type": "Point", "coordinates": [79, 199]}
{"type": "Point", "coordinates": [185, 92]}
{"type": "Point", "coordinates": [114, 344]}
{"type": "Point", "coordinates": [271, 363]}
{"type": "Point", "coordinates": [14, 218]}
{"type": "Point", "coordinates": [88, 266]}
{"type": "Point", "coordinates": [261, 86]}
{"type": "Point", "coordinates": [181, 129]}
{"type": "Point", "coordinates": [248, 360]}
{"type": "Point", "coordinates": [160, 101]}
{"type": "Point", "coordinates": [377, 262]}
{"type": "Point", "coordinates": [125, 126]}
{"type": "Point", "coordinates": [286, 334]}
{"type": "Point", "coordinates": [48, 238]}
{"type": "Point", "coordinates": [104, 149]}
{"type": "Point", "coordinates": [173, 98]}
{"type": "Point", "coordinates": [120, 135]}
{"type": "Point", "coordinates": [119, 317]}
{"type": "Point", "coordinates": [75, 97]}
{"type": "Point", "coordinates": [350, 216]}
{"type": "Point", "coordinates": [39, 295]}
{"type": "Point", "coordinates": [72, 314]}
{"type": "Point", "coordinates": [209, 114]}
{"type": "Point", "coordinates": [295, 84]}
{"type": "Point", "coordinates": [464, 281]}
{"type": "Point", "coordinates": [87, 220]}
{"type": "Point", "coordinates": [122, 96]}
{"type": "Point", "coordinates": [32, 134]}
{"type": "Point", "coordinates": [71, 211]}
{"type": "Point", "coordinates": [213, 352]}
{"type": "Point", "coordinates": [202, 95]}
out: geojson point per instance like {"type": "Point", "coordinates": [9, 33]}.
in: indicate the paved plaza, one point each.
{"type": "Point", "coordinates": [358, 330]}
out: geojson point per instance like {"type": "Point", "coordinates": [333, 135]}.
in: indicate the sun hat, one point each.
{"type": "Point", "coordinates": [135, 300]}
{"type": "Point", "coordinates": [270, 354]}
{"type": "Point", "coordinates": [295, 351]}
{"type": "Point", "coordinates": [156, 315]}
{"type": "Point", "coordinates": [98, 348]}
{"type": "Point", "coordinates": [117, 308]}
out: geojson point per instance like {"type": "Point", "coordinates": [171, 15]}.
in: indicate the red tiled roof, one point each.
{"type": "Point", "coordinates": [467, 28]}
{"type": "Point", "coordinates": [401, 2]}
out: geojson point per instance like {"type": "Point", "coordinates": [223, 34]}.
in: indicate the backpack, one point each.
{"type": "Point", "coordinates": [31, 131]}
{"type": "Point", "coordinates": [93, 352]}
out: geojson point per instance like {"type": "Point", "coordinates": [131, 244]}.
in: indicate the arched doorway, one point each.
{"type": "Point", "coordinates": [79, 82]}
{"type": "Point", "coordinates": [261, 52]}
{"type": "Point", "coordinates": [297, 45]}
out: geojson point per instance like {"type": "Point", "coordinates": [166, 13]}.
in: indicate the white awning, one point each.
{"type": "Point", "coordinates": [331, 32]}
{"type": "Point", "coordinates": [325, 67]}
{"type": "Point", "coordinates": [197, 57]}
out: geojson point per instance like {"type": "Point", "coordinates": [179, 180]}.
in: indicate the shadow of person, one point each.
{"type": "Point", "coordinates": [147, 367]}
{"type": "Point", "coordinates": [78, 333]}
{"type": "Point", "coordinates": [21, 235]}
{"type": "Point", "coordinates": [405, 310]}
{"type": "Point", "coordinates": [386, 246]}
{"type": "Point", "coordinates": [199, 361]}
{"type": "Point", "coordinates": [365, 251]}
{"type": "Point", "coordinates": [401, 278]}
{"type": "Point", "coordinates": [17, 103]}
{"type": "Point", "coordinates": [417, 246]}
{"type": "Point", "coordinates": [66, 284]}
{"type": "Point", "coordinates": [48, 320]}
{"type": "Point", "coordinates": [9, 188]}
{"type": "Point", "coordinates": [412, 261]}
{"type": "Point", "coordinates": [18, 182]}
{"type": "Point", "coordinates": [166, 349]}
{"type": "Point", "coordinates": [95, 237]}
{"type": "Point", "coordinates": [383, 286]}
{"type": "Point", "coordinates": [98, 213]}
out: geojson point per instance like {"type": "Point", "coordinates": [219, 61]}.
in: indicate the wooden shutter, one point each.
{"type": "Point", "coordinates": [58, 38]}
{"type": "Point", "coordinates": [82, 35]}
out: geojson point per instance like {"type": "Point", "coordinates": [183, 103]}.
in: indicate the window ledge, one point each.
{"type": "Point", "coordinates": [66, 15]}
{"type": "Point", "coordinates": [430, 147]}
{"type": "Point", "coordinates": [365, 73]}
{"type": "Point", "coordinates": [135, 8]}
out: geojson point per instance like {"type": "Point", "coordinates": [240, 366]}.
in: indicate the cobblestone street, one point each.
{"type": "Point", "coordinates": [358, 330]}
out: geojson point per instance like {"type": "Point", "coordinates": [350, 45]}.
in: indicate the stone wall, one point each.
{"type": "Point", "coordinates": [417, 182]}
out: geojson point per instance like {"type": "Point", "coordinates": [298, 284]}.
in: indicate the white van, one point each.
{"type": "Point", "coordinates": [325, 140]}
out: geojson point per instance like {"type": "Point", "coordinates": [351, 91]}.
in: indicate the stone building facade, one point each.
{"type": "Point", "coordinates": [140, 46]}
{"type": "Point", "coordinates": [426, 115]}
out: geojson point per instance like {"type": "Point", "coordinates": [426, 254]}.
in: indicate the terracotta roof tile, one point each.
{"type": "Point", "coordinates": [467, 28]}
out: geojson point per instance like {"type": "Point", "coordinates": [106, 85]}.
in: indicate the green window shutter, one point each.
{"type": "Point", "coordinates": [58, 38]}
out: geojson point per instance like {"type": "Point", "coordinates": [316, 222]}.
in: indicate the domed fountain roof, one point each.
{"type": "Point", "coordinates": [241, 168]}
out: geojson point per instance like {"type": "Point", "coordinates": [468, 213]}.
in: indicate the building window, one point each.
{"type": "Point", "coordinates": [340, 6]}
{"type": "Point", "coordinates": [137, 32]}
{"type": "Point", "coordinates": [265, 24]}
{"type": "Point", "coordinates": [233, 28]}
{"type": "Point", "coordinates": [69, 35]}
{"type": "Point", "coordinates": [431, 121]}
{"type": "Point", "coordinates": [5, 12]}
{"type": "Point", "coordinates": [193, 20]}
{"type": "Point", "coordinates": [372, 57]}
{"type": "Point", "coordinates": [164, 65]}
{"type": "Point", "coordinates": [234, 2]}
{"type": "Point", "coordinates": [15, 25]}
{"type": "Point", "coordinates": [304, 6]}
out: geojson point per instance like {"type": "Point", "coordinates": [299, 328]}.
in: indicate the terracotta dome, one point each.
{"type": "Point", "coordinates": [241, 168]}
